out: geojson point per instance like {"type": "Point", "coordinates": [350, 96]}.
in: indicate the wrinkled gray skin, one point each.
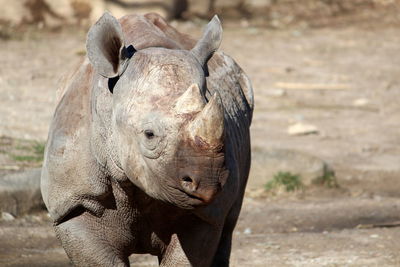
{"type": "Point", "coordinates": [157, 163]}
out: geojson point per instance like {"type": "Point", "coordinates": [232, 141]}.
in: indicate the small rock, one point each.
{"type": "Point", "coordinates": [361, 102]}
{"type": "Point", "coordinates": [247, 231]}
{"type": "Point", "coordinates": [276, 92]}
{"type": "Point", "coordinates": [374, 236]}
{"type": "Point", "coordinates": [289, 69]}
{"type": "Point", "coordinates": [244, 23]}
{"type": "Point", "coordinates": [302, 129]}
{"type": "Point", "coordinates": [5, 216]}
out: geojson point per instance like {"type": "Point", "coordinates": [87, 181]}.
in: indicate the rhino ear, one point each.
{"type": "Point", "coordinates": [105, 47]}
{"type": "Point", "coordinates": [209, 42]}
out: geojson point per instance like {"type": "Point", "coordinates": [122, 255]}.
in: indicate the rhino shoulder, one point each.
{"type": "Point", "coordinates": [71, 176]}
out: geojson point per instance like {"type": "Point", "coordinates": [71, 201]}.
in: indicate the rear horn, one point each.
{"type": "Point", "coordinates": [208, 125]}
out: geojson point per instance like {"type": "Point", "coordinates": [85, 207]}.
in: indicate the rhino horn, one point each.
{"type": "Point", "coordinates": [190, 101]}
{"type": "Point", "coordinates": [208, 125]}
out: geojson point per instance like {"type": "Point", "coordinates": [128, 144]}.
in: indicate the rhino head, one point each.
{"type": "Point", "coordinates": [168, 136]}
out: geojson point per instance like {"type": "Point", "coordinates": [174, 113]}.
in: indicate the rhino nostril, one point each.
{"type": "Point", "coordinates": [187, 179]}
{"type": "Point", "coordinates": [188, 184]}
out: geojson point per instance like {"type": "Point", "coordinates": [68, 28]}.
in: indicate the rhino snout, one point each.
{"type": "Point", "coordinates": [195, 190]}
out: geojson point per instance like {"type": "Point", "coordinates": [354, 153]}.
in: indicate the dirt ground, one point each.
{"type": "Point", "coordinates": [343, 80]}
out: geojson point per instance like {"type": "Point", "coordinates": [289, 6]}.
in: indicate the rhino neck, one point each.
{"type": "Point", "coordinates": [101, 140]}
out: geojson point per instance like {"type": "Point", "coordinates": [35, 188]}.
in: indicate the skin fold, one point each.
{"type": "Point", "coordinates": [149, 147]}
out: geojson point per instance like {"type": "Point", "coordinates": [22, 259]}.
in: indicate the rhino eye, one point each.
{"type": "Point", "coordinates": [149, 134]}
{"type": "Point", "coordinates": [152, 137]}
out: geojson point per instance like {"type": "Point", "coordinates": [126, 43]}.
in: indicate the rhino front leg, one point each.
{"type": "Point", "coordinates": [221, 258]}
{"type": "Point", "coordinates": [222, 255]}
{"type": "Point", "coordinates": [88, 244]}
{"type": "Point", "coordinates": [174, 254]}
{"type": "Point", "coordinates": [192, 248]}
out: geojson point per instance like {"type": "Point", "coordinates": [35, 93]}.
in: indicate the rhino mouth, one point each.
{"type": "Point", "coordinates": [193, 199]}
{"type": "Point", "coordinates": [188, 200]}
{"type": "Point", "coordinates": [199, 198]}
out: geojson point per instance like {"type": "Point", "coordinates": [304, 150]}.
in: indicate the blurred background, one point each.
{"type": "Point", "coordinates": [269, 13]}
{"type": "Point", "coordinates": [324, 189]}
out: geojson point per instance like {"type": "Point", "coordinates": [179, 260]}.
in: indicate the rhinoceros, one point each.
{"type": "Point", "coordinates": [148, 151]}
